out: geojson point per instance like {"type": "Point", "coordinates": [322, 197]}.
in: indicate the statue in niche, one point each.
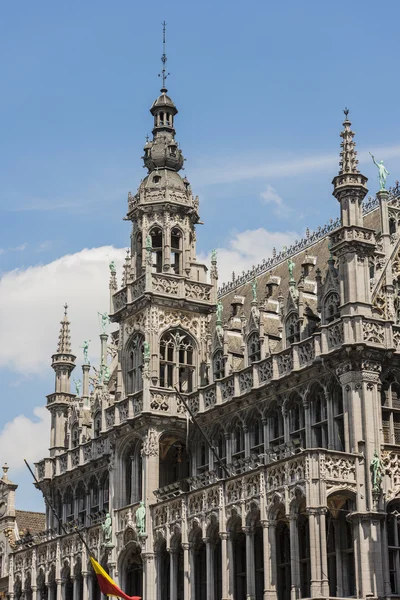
{"type": "Point", "coordinates": [141, 518]}
{"type": "Point", "coordinates": [376, 467]}
{"type": "Point", "coordinates": [107, 530]}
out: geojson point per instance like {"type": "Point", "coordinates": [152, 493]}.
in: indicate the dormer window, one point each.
{"type": "Point", "coordinates": [156, 179]}
{"type": "Point", "coordinates": [172, 150]}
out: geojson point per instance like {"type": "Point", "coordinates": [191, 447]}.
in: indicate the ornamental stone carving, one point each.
{"type": "Point", "coordinates": [335, 335]}
{"type": "Point", "coordinates": [150, 443]}
{"type": "Point", "coordinates": [373, 332]}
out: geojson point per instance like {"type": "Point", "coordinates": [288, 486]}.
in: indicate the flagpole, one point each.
{"type": "Point", "coordinates": [203, 433]}
{"type": "Point", "coordinates": [53, 510]}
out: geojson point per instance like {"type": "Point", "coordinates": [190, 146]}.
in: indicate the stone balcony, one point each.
{"type": "Point", "coordinates": [162, 284]}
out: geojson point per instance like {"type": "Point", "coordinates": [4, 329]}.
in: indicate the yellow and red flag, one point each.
{"type": "Point", "coordinates": [107, 585]}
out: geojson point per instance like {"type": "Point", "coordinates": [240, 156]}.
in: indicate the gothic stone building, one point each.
{"type": "Point", "coordinates": [292, 371]}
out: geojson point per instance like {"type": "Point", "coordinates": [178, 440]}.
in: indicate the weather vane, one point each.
{"type": "Point", "coordinates": [346, 112]}
{"type": "Point", "coordinates": [164, 73]}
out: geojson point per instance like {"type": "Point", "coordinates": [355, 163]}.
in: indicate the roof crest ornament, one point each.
{"type": "Point", "coordinates": [164, 59]}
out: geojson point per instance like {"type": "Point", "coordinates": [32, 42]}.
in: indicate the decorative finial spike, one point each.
{"type": "Point", "coordinates": [64, 338]}
{"type": "Point", "coordinates": [164, 59]}
{"type": "Point", "coordinates": [65, 309]}
{"type": "Point", "coordinates": [346, 112]}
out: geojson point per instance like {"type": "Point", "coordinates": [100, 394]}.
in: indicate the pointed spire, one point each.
{"type": "Point", "coordinates": [164, 73]}
{"type": "Point", "coordinates": [64, 339]}
{"type": "Point", "coordinates": [348, 154]}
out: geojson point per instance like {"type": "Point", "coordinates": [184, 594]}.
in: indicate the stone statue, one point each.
{"type": "Point", "coordinates": [85, 352]}
{"type": "Point", "coordinates": [146, 350]}
{"type": "Point", "coordinates": [383, 172]}
{"type": "Point", "coordinates": [213, 256]}
{"type": "Point", "coordinates": [113, 268]}
{"type": "Point", "coordinates": [78, 384]}
{"type": "Point", "coordinates": [141, 519]}
{"type": "Point", "coordinates": [107, 530]}
{"type": "Point", "coordinates": [149, 244]}
{"type": "Point", "coordinates": [106, 372]}
{"type": "Point", "coordinates": [376, 467]}
{"type": "Point", "coordinates": [254, 290]}
{"type": "Point", "coordinates": [291, 266]}
{"type": "Point", "coordinates": [105, 320]}
{"type": "Point", "coordinates": [220, 308]}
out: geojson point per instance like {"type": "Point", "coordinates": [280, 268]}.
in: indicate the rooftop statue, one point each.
{"type": "Point", "coordinates": [78, 384]}
{"type": "Point", "coordinates": [220, 308]}
{"type": "Point", "coordinates": [383, 172]}
{"type": "Point", "coordinates": [85, 352]}
{"type": "Point", "coordinates": [291, 266]}
{"type": "Point", "coordinates": [213, 256]}
{"type": "Point", "coordinates": [105, 320]}
{"type": "Point", "coordinates": [254, 290]}
{"type": "Point", "coordinates": [113, 268]}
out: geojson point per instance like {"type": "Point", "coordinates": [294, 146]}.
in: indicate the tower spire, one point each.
{"type": "Point", "coordinates": [164, 73]}
{"type": "Point", "coordinates": [348, 154]}
{"type": "Point", "coordinates": [64, 339]}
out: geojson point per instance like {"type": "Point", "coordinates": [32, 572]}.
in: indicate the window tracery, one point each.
{"type": "Point", "coordinates": [318, 417]}
{"type": "Point", "coordinates": [292, 327]}
{"type": "Point", "coordinates": [176, 251]}
{"type": "Point", "coordinates": [135, 364]}
{"type": "Point", "coordinates": [331, 307]}
{"type": "Point", "coordinates": [254, 347]}
{"type": "Point", "coordinates": [390, 399]}
{"type": "Point", "coordinates": [177, 361]}
{"type": "Point", "coordinates": [218, 365]}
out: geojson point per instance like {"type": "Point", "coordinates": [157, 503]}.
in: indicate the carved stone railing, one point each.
{"type": "Point", "coordinates": [69, 460]}
{"type": "Point", "coordinates": [227, 388]}
{"type": "Point", "coordinates": [164, 402]}
{"type": "Point", "coordinates": [246, 380]}
{"type": "Point", "coordinates": [120, 299]}
{"type": "Point", "coordinates": [126, 516]}
{"type": "Point", "coordinates": [265, 370]}
{"type": "Point", "coordinates": [284, 362]}
{"type": "Point", "coordinates": [165, 284]}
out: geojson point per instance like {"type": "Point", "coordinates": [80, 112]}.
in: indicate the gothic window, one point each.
{"type": "Point", "coordinates": [94, 496]}
{"type": "Point", "coordinates": [393, 538]}
{"type": "Point", "coordinates": [283, 559]}
{"type": "Point", "coordinates": [256, 431]}
{"type": "Point", "coordinates": [177, 361]}
{"type": "Point", "coordinates": [218, 365]}
{"type": "Point", "coordinates": [156, 249]}
{"type": "Point", "coordinates": [237, 437]}
{"type": "Point", "coordinates": [292, 328]}
{"type": "Point", "coordinates": [338, 419]}
{"type": "Point", "coordinates": [161, 118]}
{"type": "Point", "coordinates": [139, 254]}
{"type": "Point", "coordinates": [156, 179]}
{"type": "Point", "coordinates": [254, 347]}
{"type": "Point", "coordinates": [69, 505]}
{"type": "Point", "coordinates": [319, 418]}
{"type": "Point", "coordinates": [303, 533]}
{"type": "Point", "coordinates": [392, 226]}
{"type": "Point", "coordinates": [390, 398]}
{"type": "Point", "coordinates": [331, 307]}
{"type": "Point", "coordinates": [176, 251]}
{"type": "Point", "coordinates": [132, 466]}
{"type": "Point", "coordinates": [135, 364]}
{"type": "Point", "coordinates": [75, 436]}
{"type": "Point", "coordinates": [340, 548]}
{"type": "Point", "coordinates": [275, 426]}
{"type": "Point", "coordinates": [105, 493]}
{"type": "Point", "coordinates": [81, 502]}
{"type": "Point", "coordinates": [174, 461]}
{"type": "Point", "coordinates": [202, 458]}
{"type": "Point", "coordinates": [297, 431]}
{"type": "Point", "coordinates": [219, 443]}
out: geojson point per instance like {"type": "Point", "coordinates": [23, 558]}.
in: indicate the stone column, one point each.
{"type": "Point", "coordinates": [158, 576]}
{"type": "Point", "coordinates": [186, 571]}
{"type": "Point", "coordinates": [103, 345]}
{"type": "Point", "coordinates": [315, 558]}
{"type": "Point", "coordinates": [85, 586]}
{"type": "Point", "coordinates": [173, 575]}
{"type": "Point", "coordinates": [294, 558]}
{"type": "Point", "coordinates": [150, 585]}
{"type": "Point", "coordinates": [76, 588]}
{"type": "Point", "coordinates": [59, 590]}
{"type": "Point", "coordinates": [269, 559]}
{"type": "Point", "coordinates": [34, 593]}
{"type": "Point", "coordinates": [250, 566]}
{"type": "Point", "coordinates": [209, 569]}
{"type": "Point", "coordinates": [226, 567]}
{"type": "Point", "coordinates": [192, 574]}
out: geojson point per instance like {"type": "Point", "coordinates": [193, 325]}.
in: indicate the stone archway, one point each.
{"type": "Point", "coordinates": [131, 570]}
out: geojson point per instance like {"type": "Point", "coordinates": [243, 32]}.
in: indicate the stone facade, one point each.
{"type": "Point", "coordinates": [293, 373]}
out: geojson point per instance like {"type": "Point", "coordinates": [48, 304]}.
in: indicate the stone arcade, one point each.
{"type": "Point", "coordinates": [293, 371]}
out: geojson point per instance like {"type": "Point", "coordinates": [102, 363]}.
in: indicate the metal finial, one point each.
{"type": "Point", "coordinates": [346, 112]}
{"type": "Point", "coordinates": [65, 309]}
{"type": "Point", "coordinates": [164, 73]}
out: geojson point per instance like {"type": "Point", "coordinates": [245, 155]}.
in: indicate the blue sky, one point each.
{"type": "Point", "coordinates": [260, 89]}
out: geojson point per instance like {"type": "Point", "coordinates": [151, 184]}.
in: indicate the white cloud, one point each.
{"type": "Point", "coordinates": [20, 248]}
{"type": "Point", "coordinates": [248, 248]}
{"type": "Point", "coordinates": [25, 438]}
{"type": "Point", "coordinates": [238, 169]}
{"type": "Point", "coordinates": [31, 306]}
{"type": "Point", "coordinates": [271, 196]}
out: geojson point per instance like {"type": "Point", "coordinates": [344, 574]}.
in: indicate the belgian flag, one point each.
{"type": "Point", "coordinates": [107, 585]}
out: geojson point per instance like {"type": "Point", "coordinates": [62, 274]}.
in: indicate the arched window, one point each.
{"type": "Point", "coordinates": [75, 436]}
{"type": "Point", "coordinates": [254, 347]}
{"type": "Point", "coordinates": [338, 418]}
{"type": "Point", "coordinates": [256, 431]}
{"type": "Point", "coordinates": [218, 365]}
{"type": "Point", "coordinates": [94, 496]}
{"type": "Point", "coordinates": [292, 328]}
{"type": "Point", "coordinates": [283, 558]}
{"type": "Point", "coordinates": [393, 538]}
{"type": "Point", "coordinates": [139, 254]}
{"type": "Point", "coordinates": [174, 461]}
{"type": "Point", "coordinates": [237, 437]}
{"type": "Point", "coordinates": [202, 458]}
{"type": "Point", "coordinates": [275, 426]}
{"type": "Point", "coordinates": [303, 533]}
{"type": "Point", "coordinates": [133, 473]}
{"type": "Point", "coordinates": [105, 493]}
{"type": "Point", "coordinates": [177, 361]}
{"type": "Point", "coordinates": [69, 505]}
{"type": "Point", "coordinates": [392, 226]}
{"type": "Point", "coordinates": [81, 503]}
{"type": "Point", "coordinates": [319, 418]}
{"type": "Point", "coordinates": [135, 364]}
{"type": "Point", "coordinates": [331, 307]}
{"type": "Point", "coordinates": [340, 547]}
{"type": "Point", "coordinates": [157, 249]}
{"type": "Point", "coordinates": [176, 251]}
{"type": "Point", "coordinates": [297, 431]}
{"type": "Point", "coordinates": [390, 398]}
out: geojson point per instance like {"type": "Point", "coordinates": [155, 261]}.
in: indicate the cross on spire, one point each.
{"type": "Point", "coordinates": [164, 73]}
